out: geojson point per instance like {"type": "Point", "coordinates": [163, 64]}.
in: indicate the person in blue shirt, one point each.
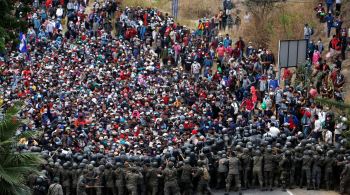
{"type": "Point", "coordinates": [330, 20]}
{"type": "Point", "coordinates": [227, 41]}
{"type": "Point", "coordinates": [329, 4]}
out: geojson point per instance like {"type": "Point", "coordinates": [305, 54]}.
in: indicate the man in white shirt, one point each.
{"type": "Point", "coordinates": [196, 69]}
{"type": "Point", "coordinates": [316, 132]}
{"type": "Point", "coordinates": [274, 131]}
{"type": "Point", "coordinates": [59, 12]}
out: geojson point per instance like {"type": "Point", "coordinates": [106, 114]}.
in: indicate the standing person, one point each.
{"type": "Point", "coordinates": [186, 177]}
{"type": "Point", "coordinates": [329, 4]}
{"type": "Point", "coordinates": [132, 178]}
{"type": "Point", "coordinates": [269, 161]}
{"type": "Point", "coordinates": [316, 171]}
{"type": "Point", "coordinates": [258, 168]}
{"type": "Point", "coordinates": [170, 180]}
{"type": "Point", "coordinates": [152, 179]}
{"type": "Point", "coordinates": [330, 21]}
{"type": "Point", "coordinates": [196, 70]}
{"type": "Point", "coordinates": [306, 169]}
{"type": "Point", "coordinates": [234, 165]}
{"type": "Point", "coordinates": [307, 32]}
{"type": "Point", "coordinates": [120, 178]}
{"type": "Point", "coordinates": [337, 7]}
{"type": "Point", "coordinates": [203, 174]}
{"type": "Point", "coordinates": [109, 178]}
{"type": "Point", "coordinates": [81, 185]}
{"type": "Point", "coordinates": [344, 44]}
{"type": "Point", "coordinates": [345, 179]}
{"type": "Point", "coordinates": [287, 76]}
{"type": "Point", "coordinates": [285, 165]}
{"type": "Point", "coordinates": [246, 167]}
{"type": "Point", "coordinates": [329, 169]}
{"type": "Point", "coordinates": [221, 171]}
{"type": "Point", "coordinates": [55, 188]}
{"type": "Point", "coordinates": [241, 46]}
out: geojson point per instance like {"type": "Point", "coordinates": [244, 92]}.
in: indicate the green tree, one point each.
{"type": "Point", "coordinates": [261, 11]}
{"type": "Point", "coordinates": [14, 164]}
{"type": "Point", "coordinates": [10, 23]}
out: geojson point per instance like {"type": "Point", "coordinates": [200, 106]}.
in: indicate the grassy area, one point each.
{"type": "Point", "coordinates": [189, 10]}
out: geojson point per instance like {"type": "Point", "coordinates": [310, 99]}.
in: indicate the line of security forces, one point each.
{"type": "Point", "coordinates": [230, 163]}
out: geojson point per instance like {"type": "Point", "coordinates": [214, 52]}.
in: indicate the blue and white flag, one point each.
{"type": "Point", "coordinates": [23, 43]}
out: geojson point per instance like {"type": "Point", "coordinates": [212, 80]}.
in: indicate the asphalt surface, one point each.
{"type": "Point", "coordinates": [279, 192]}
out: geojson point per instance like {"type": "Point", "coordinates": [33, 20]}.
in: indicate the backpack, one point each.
{"type": "Point", "coordinates": [206, 175]}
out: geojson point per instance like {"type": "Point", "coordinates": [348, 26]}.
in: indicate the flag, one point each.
{"type": "Point", "coordinates": [23, 43]}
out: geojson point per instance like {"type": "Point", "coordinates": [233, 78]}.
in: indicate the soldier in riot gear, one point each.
{"type": "Point", "coordinates": [246, 167]}
{"type": "Point", "coordinates": [91, 177]}
{"type": "Point", "coordinates": [234, 165]}
{"type": "Point", "coordinates": [152, 179]}
{"type": "Point", "coordinates": [120, 178]}
{"type": "Point", "coordinates": [108, 177]}
{"type": "Point", "coordinates": [82, 183]}
{"type": "Point", "coordinates": [75, 176]}
{"type": "Point", "coordinates": [269, 161]}
{"type": "Point", "coordinates": [316, 171]}
{"type": "Point", "coordinates": [306, 169]}
{"type": "Point", "coordinates": [186, 177]}
{"type": "Point", "coordinates": [221, 170]}
{"type": "Point", "coordinates": [66, 179]}
{"type": "Point", "coordinates": [329, 163]}
{"type": "Point", "coordinates": [258, 168]}
{"type": "Point", "coordinates": [285, 165]}
{"type": "Point", "coordinates": [202, 174]}
{"type": "Point", "coordinates": [132, 177]}
{"type": "Point", "coordinates": [170, 180]}
{"type": "Point", "coordinates": [345, 178]}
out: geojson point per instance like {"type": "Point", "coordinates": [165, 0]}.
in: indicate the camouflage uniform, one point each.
{"type": "Point", "coordinates": [234, 165]}
{"type": "Point", "coordinates": [269, 161]}
{"type": "Point", "coordinates": [170, 180]}
{"type": "Point", "coordinates": [186, 178]}
{"type": "Point", "coordinates": [132, 178]}
{"type": "Point", "coordinates": [306, 169]}
{"type": "Point", "coordinates": [258, 168]}
{"type": "Point", "coordinates": [120, 179]}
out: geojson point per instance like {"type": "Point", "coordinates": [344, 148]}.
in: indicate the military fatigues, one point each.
{"type": "Point", "coordinates": [81, 185]}
{"type": "Point", "coordinates": [75, 178]}
{"type": "Point", "coordinates": [316, 171]}
{"type": "Point", "coordinates": [170, 182]}
{"type": "Point", "coordinates": [328, 171]}
{"type": "Point", "coordinates": [306, 170]}
{"type": "Point", "coordinates": [152, 181]}
{"type": "Point", "coordinates": [109, 178]}
{"type": "Point", "coordinates": [120, 180]}
{"type": "Point", "coordinates": [345, 180]}
{"type": "Point", "coordinates": [285, 165]}
{"type": "Point", "coordinates": [66, 181]}
{"type": "Point", "coordinates": [234, 165]}
{"type": "Point", "coordinates": [268, 170]}
{"type": "Point", "coordinates": [186, 179]}
{"type": "Point", "coordinates": [132, 179]}
{"type": "Point", "coordinates": [221, 172]}
{"type": "Point", "coordinates": [203, 184]}
{"type": "Point", "coordinates": [246, 169]}
{"type": "Point", "coordinates": [257, 169]}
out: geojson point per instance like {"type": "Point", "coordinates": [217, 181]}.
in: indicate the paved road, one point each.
{"type": "Point", "coordinates": [279, 192]}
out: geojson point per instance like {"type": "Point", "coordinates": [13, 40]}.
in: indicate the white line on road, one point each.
{"type": "Point", "coordinates": [289, 192]}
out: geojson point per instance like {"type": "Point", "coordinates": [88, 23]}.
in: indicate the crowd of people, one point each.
{"type": "Point", "coordinates": [144, 105]}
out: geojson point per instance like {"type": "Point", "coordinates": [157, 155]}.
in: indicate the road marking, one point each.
{"type": "Point", "coordinates": [289, 192]}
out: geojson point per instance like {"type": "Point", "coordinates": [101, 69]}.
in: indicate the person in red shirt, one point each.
{"type": "Point", "coordinates": [287, 76]}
